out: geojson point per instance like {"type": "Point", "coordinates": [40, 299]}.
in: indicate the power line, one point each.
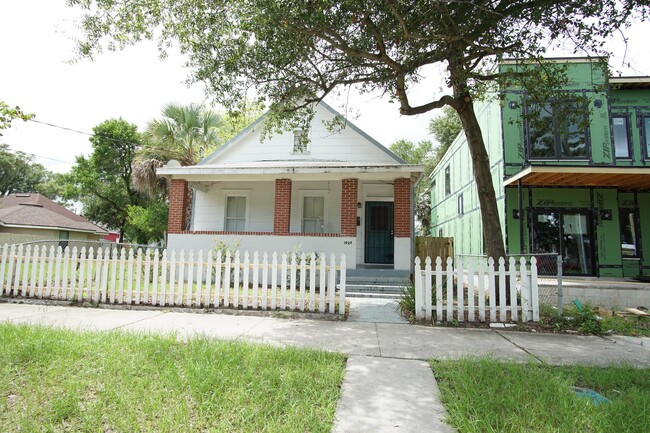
{"type": "Point", "coordinates": [65, 128]}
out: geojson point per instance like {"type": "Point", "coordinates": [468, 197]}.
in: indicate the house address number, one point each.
{"type": "Point", "coordinates": [347, 242]}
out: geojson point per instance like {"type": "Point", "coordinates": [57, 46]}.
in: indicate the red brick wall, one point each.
{"type": "Point", "coordinates": [349, 198]}
{"type": "Point", "coordinates": [178, 197]}
{"type": "Point", "coordinates": [402, 209]}
{"type": "Point", "coordinates": [282, 208]}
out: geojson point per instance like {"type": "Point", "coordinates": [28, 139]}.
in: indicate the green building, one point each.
{"type": "Point", "coordinates": [580, 188]}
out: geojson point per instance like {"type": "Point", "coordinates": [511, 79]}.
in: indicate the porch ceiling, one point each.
{"type": "Point", "coordinates": [630, 178]}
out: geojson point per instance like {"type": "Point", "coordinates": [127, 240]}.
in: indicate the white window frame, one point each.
{"type": "Point", "coordinates": [236, 193]}
{"type": "Point", "coordinates": [307, 149]}
{"type": "Point", "coordinates": [312, 193]}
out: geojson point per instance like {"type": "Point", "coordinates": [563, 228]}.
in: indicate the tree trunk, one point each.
{"type": "Point", "coordinates": [493, 236]}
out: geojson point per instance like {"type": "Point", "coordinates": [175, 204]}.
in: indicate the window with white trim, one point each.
{"type": "Point", "coordinates": [300, 141]}
{"type": "Point", "coordinates": [313, 214]}
{"type": "Point", "coordinates": [235, 220]}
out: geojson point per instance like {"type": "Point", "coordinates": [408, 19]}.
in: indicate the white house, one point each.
{"type": "Point", "coordinates": [343, 192]}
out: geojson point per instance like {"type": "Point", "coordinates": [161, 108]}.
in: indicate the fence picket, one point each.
{"type": "Point", "coordinates": [65, 265]}
{"type": "Point", "coordinates": [190, 279]}
{"type": "Point", "coordinates": [105, 265]}
{"type": "Point", "coordinates": [492, 289]}
{"type": "Point", "coordinates": [33, 281]}
{"type": "Point", "coordinates": [471, 286]}
{"type": "Point", "coordinates": [292, 283]}
{"type": "Point", "coordinates": [172, 278]}
{"type": "Point", "coordinates": [73, 272]}
{"type": "Point", "coordinates": [26, 260]}
{"type": "Point", "coordinates": [450, 290]}
{"type": "Point", "coordinates": [237, 268]}
{"type": "Point", "coordinates": [534, 292]}
{"type": "Point", "coordinates": [90, 266]}
{"type": "Point", "coordinates": [256, 279]}
{"type": "Point", "coordinates": [41, 269]}
{"type": "Point", "coordinates": [525, 291]}
{"type": "Point", "coordinates": [208, 281]}
{"type": "Point", "coordinates": [323, 283]}
{"type": "Point", "coordinates": [180, 279]}
{"type": "Point", "coordinates": [342, 286]}
{"type": "Point", "coordinates": [303, 279]}
{"type": "Point", "coordinates": [312, 282]}
{"type": "Point", "coordinates": [419, 291]}
{"type": "Point", "coordinates": [82, 274]}
{"type": "Point", "coordinates": [3, 264]}
{"type": "Point", "coordinates": [14, 270]}
{"type": "Point", "coordinates": [274, 280]}
{"type": "Point", "coordinates": [129, 278]}
{"type": "Point", "coordinates": [57, 273]}
{"type": "Point", "coordinates": [145, 277]}
{"type": "Point", "coordinates": [461, 291]}
{"type": "Point", "coordinates": [113, 266]}
{"type": "Point", "coordinates": [283, 283]}
{"type": "Point", "coordinates": [512, 269]}
{"type": "Point", "coordinates": [502, 290]}
{"type": "Point", "coordinates": [226, 281]}
{"type": "Point", "coordinates": [162, 282]}
{"type": "Point", "coordinates": [427, 288]}
{"type": "Point", "coordinates": [50, 271]}
{"type": "Point", "coordinates": [265, 280]}
{"type": "Point", "coordinates": [246, 276]}
{"type": "Point", "coordinates": [121, 268]}
{"type": "Point", "coordinates": [98, 275]}
{"type": "Point", "coordinates": [154, 281]}
{"type": "Point", "coordinates": [217, 281]}
{"type": "Point", "coordinates": [439, 289]}
{"type": "Point", "coordinates": [481, 290]}
{"type": "Point", "coordinates": [199, 280]}
{"type": "Point", "coordinates": [138, 277]}
{"type": "Point", "coordinates": [332, 284]}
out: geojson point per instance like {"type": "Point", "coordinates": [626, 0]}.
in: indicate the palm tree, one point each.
{"type": "Point", "coordinates": [184, 133]}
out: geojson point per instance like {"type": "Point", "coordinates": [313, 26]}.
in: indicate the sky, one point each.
{"type": "Point", "coordinates": [35, 73]}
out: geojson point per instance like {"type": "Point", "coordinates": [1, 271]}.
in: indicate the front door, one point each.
{"type": "Point", "coordinates": [568, 233]}
{"type": "Point", "coordinates": [379, 232]}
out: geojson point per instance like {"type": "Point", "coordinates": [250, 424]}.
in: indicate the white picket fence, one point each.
{"type": "Point", "coordinates": [150, 277]}
{"type": "Point", "coordinates": [474, 290]}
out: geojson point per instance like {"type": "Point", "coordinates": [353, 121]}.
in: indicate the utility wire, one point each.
{"type": "Point", "coordinates": [116, 140]}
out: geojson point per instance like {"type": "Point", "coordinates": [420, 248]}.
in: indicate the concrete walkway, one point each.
{"type": "Point", "coordinates": [387, 386]}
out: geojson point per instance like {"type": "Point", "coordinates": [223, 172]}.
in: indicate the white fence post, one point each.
{"type": "Point", "coordinates": [450, 291]}
{"type": "Point", "coordinates": [427, 289]}
{"type": "Point", "coordinates": [534, 293]}
{"type": "Point", "coordinates": [256, 280]}
{"type": "Point", "coordinates": [439, 289]}
{"type": "Point", "coordinates": [471, 313]}
{"type": "Point", "coordinates": [525, 291]}
{"type": "Point", "coordinates": [492, 295]}
{"type": "Point", "coordinates": [342, 286]}
{"type": "Point", "coordinates": [502, 289]}
{"type": "Point", "coordinates": [512, 270]}
{"type": "Point", "coordinates": [419, 301]}
{"type": "Point", "coordinates": [332, 284]}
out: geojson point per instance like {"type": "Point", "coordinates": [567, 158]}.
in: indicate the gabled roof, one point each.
{"type": "Point", "coordinates": [232, 142]}
{"type": "Point", "coordinates": [37, 211]}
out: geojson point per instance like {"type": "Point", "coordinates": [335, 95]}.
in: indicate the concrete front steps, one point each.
{"type": "Point", "coordinates": [375, 283]}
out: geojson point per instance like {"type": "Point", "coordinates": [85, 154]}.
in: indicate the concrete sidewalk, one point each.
{"type": "Point", "coordinates": [387, 387]}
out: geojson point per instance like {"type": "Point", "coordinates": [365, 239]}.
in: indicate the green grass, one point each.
{"type": "Point", "coordinates": [55, 381]}
{"type": "Point", "coordinates": [485, 395]}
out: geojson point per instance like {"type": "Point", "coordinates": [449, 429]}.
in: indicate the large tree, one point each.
{"type": "Point", "coordinates": [295, 52]}
{"type": "Point", "coordinates": [9, 114]}
{"type": "Point", "coordinates": [102, 181]}
{"type": "Point", "coordinates": [19, 173]}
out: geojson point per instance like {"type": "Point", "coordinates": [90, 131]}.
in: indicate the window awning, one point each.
{"type": "Point", "coordinates": [630, 178]}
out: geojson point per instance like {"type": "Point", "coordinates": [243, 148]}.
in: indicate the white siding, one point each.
{"type": "Point", "coordinates": [209, 207]}
{"type": "Point", "coordinates": [345, 145]}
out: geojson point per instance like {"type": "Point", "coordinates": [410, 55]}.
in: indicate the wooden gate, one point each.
{"type": "Point", "coordinates": [427, 246]}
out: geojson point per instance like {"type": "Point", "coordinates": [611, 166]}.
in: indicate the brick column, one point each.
{"type": "Point", "coordinates": [349, 199]}
{"type": "Point", "coordinates": [282, 209]}
{"type": "Point", "coordinates": [178, 197]}
{"type": "Point", "coordinates": [402, 209]}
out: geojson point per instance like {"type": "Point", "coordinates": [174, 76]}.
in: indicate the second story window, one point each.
{"type": "Point", "coordinates": [646, 136]}
{"type": "Point", "coordinates": [621, 137]}
{"type": "Point", "coordinates": [447, 181]}
{"type": "Point", "coordinates": [557, 130]}
{"type": "Point", "coordinates": [300, 141]}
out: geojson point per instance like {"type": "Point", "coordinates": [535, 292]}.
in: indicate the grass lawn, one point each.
{"type": "Point", "coordinates": [56, 381]}
{"type": "Point", "coordinates": [484, 395]}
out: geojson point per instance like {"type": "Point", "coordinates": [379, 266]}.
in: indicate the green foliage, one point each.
{"type": "Point", "coordinates": [406, 303]}
{"type": "Point", "coordinates": [57, 380]}
{"type": "Point", "coordinates": [444, 128]}
{"type": "Point", "coordinates": [485, 395]}
{"type": "Point", "coordinates": [222, 248]}
{"type": "Point", "coordinates": [102, 181]}
{"type": "Point", "coordinates": [8, 114]}
{"type": "Point", "coordinates": [146, 225]}
{"type": "Point", "coordinates": [18, 173]}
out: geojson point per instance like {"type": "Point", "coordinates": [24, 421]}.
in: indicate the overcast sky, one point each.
{"type": "Point", "coordinates": [134, 84]}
